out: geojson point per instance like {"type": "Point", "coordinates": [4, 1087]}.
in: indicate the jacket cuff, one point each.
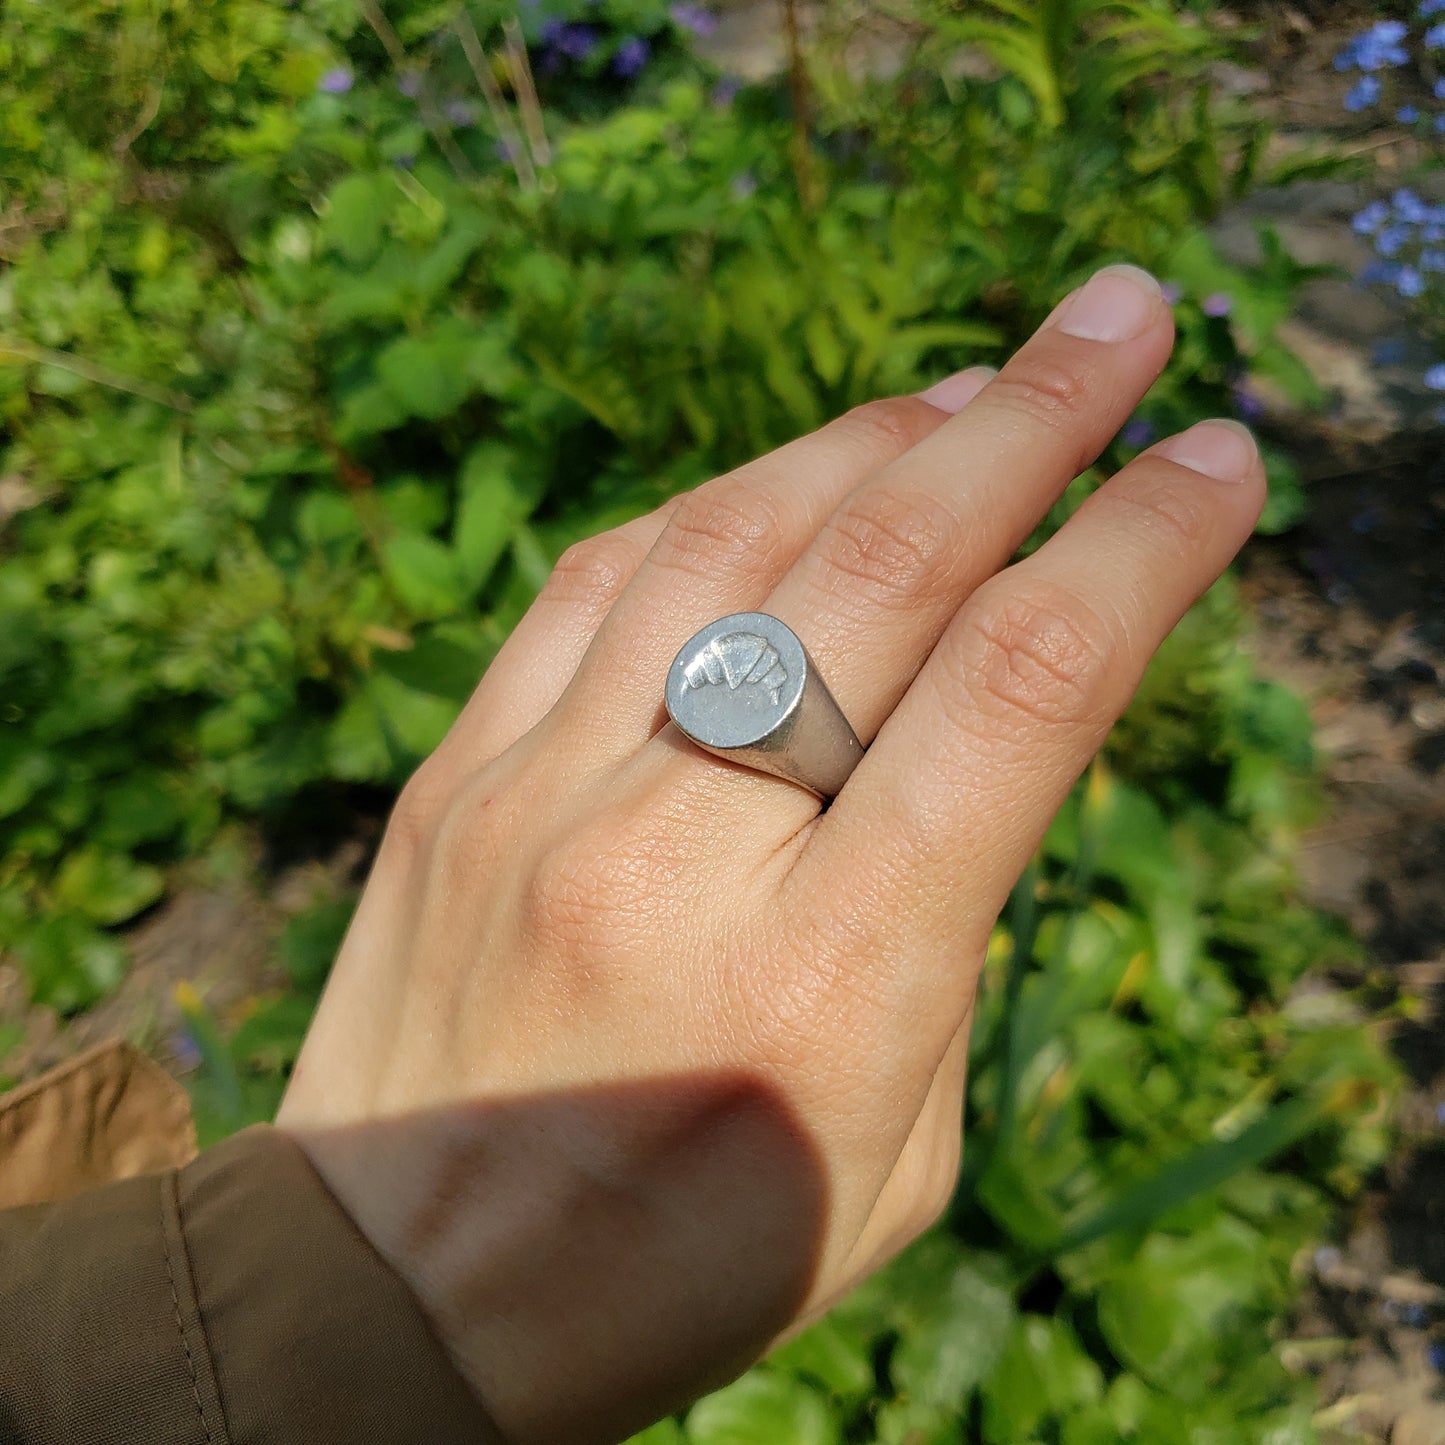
{"type": "Point", "coordinates": [231, 1302]}
{"type": "Point", "coordinates": [310, 1334]}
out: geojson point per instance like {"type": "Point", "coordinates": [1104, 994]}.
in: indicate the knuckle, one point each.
{"type": "Point", "coordinates": [888, 427]}
{"type": "Point", "coordinates": [1052, 388]}
{"type": "Point", "coordinates": [728, 523]}
{"type": "Point", "coordinates": [1042, 652]}
{"type": "Point", "coordinates": [897, 544]}
{"type": "Point", "coordinates": [420, 807]}
{"type": "Point", "coordinates": [592, 572]}
{"type": "Point", "coordinates": [1169, 515]}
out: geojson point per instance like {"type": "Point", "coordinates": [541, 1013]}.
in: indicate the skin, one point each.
{"type": "Point", "coordinates": [635, 1061]}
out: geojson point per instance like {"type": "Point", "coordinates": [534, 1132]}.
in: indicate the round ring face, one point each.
{"type": "Point", "coordinates": [737, 680]}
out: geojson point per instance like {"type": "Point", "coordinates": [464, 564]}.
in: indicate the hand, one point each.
{"type": "Point", "coordinates": [635, 1060]}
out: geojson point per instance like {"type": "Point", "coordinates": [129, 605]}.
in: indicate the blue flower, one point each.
{"type": "Point", "coordinates": [1434, 37]}
{"type": "Point", "coordinates": [694, 18]}
{"type": "Point", "coordinates": [1409, 207]}
{"type": "Point", "coordinates": [1435, 377]}
{"type": "Point", "coordinates": [1408, 114]}
{"type": "Point", "coordinates": [1427, 8]}
{"type": "Point", "coordinates": [1433, 261]}
{"type": "Point", "coordinates": [337, 81]}
{"type": "Point", "coordinates": [1409, 283]}
{"type": "Point", "coordinates": [1438, 90]}
{"type": "Point", "coordinates": [1436, 1355]}
{"type": "Point", "coordinates": [1439, 125]}
{"type": "Point", "coordinates": [1382, 272]}
{"type": "Point", "coordinates": [1368, 221]}
{"type": "Point", "coordinates": [1376, 48]}
{"type": "Point", "coordinates": [1138, 432]}
{"type": "Point", "coordinates": [1389, 352]}
{"type": "Point", "coordinates": [1363, 93]}
{"type": "Point", "coordinates": [1390, 241]}
{"type": "Point", "coordinates": [631, 56]}
{"type": "Point", "coordinates": [726, 91]}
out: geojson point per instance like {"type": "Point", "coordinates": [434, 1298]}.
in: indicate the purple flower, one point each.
{"type": "Point", "coordinates": [336, 81]}
{"type": "Point", "coordinates": [744, 184]}
{"type": "Point", "coordinates": [1138, 432]}
{"type": "Point", "coordinates": [1409, 283]}
{"type": "Point", "coordinates": [1363, 93]}
{"type": "Point", "coordinates": [1435, 377]}
{"type": "Point", "coordinates": [726, 91]}
{"type": "Point", "coordinates": [409, 84]}
{"type": "Point", "coordinates": [1173, 292]}
{"type": "Point", "coordinates": [460, 113]}
{"type": "Point", "coordinates": [1247, 406]}
{"type": "Point", "coordinates": [577, 42]}
{"type": "Point", "coordinates": [694, 18]}
{"type": "Point", "coordinates": [184, 1050]}
{"type": "Point", "coordinates": [1216, 304]}
{"type": "Point", "coordinates": [631, 56]}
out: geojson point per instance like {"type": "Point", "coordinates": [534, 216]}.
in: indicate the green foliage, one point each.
{"type": "Point", "coordinates": [303, 383]}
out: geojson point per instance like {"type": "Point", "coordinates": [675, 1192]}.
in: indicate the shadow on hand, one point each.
{"type": "Point", "coordinates": [597, 1258]}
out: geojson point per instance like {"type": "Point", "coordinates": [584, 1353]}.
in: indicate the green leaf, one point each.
{"type": "Point", "coordinates": [763, 1406]}
{"type": "Point", "coordinates": [107, 887]}
{"type": "Point", "coordinates": [955, 1345]}
{"type": "Point", "coordinates": [665, 1432]}
{"type": "Point", "coordinates": [426, 375]}
{"type": "Point", "coordinates": [424, 574]}
{"type": "Point", "coordinates": [141, 808]}
{"type": "Point", "coordinates": [1204, 1168]}
{"type": "Point", "coordinates": [24, 771]}
{"type": "Point", "coordinates": [311, 940]}
{"type": "Point", "coordinates": [490, 510]}
{"type": "Point", "coordinates": [70, 964]}
{"type": "Point", "coordinates": [1169, 1311]}
{"type": "Point", "coordinates": [834, 1353]}
{"type": "Point", "coordinates": [356, 214]}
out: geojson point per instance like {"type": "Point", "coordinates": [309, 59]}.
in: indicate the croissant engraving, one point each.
{"type": "Point", "coordinates": [737, 659]}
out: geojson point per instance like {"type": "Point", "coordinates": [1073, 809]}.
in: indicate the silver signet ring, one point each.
{"type": "Point", "coordinates": [745, 688]}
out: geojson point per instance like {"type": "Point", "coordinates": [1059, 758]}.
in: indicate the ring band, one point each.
{"type": "Point", "coordinates": [745, 689]}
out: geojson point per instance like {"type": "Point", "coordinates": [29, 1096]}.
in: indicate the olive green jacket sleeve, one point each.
{"type": "Point", "coordinates": [227, 1302]}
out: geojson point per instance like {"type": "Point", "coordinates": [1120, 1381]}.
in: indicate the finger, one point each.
{"type": "Point", "coordinates": [897, 557]}
{"type": "Point", "coordinates": [725, 545]}
{"type": "Point", "coordinates": [952, 799]}
{"type": "Point", "coordinates": [536, 663]}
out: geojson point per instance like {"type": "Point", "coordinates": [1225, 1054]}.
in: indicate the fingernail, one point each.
{"type": "Point", "coordinates": [1222, 449]}
{"type": "Point", "coordinates": [954, 392]}
{"type": "Point", "coordinates": [1118, 303]}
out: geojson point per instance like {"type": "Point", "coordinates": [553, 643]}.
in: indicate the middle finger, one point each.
{"type": "Point", "coordinates": [901, 553]}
